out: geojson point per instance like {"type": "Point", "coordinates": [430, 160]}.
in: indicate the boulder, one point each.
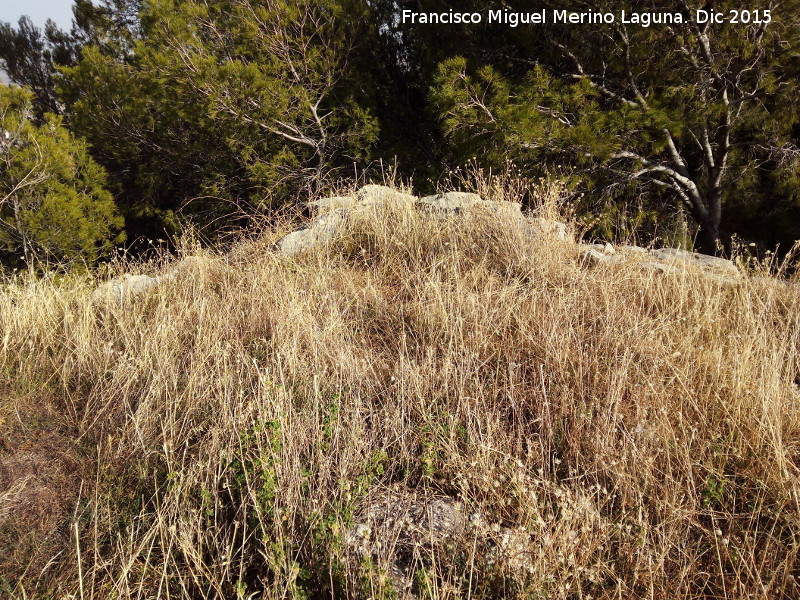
{"type": "Point", "coordinates": [627, 249]}
{"type": "Point", "coordinates": [381, 196]}
{"type": "Point", "coordinates": [542, 227]}
{"type": "Point", "coordinates": [319, 232]}
{"type": "Point", "coordinates": [396, 528]}
{"type": "Point", "coordinates": [328, 204]}
{"type": "Point", "coordinates": [708, 264]}
{"type": "Point", "coordinates": [458, 203]}
{"type": "Point", "coordinates": [121, 289]}
{"type": "Point", "coordinates": [659, 268]}
{"type": "Point", "coordinates": [333, 212]}
{"type": "Point", "coordinates": [592, 257]}
{"type": "Point", "coordinates": [663, 261]}
{"type": "Point", "coordinates": [596, 254]}
{"type": "Point", "coordinates": [451, 202]}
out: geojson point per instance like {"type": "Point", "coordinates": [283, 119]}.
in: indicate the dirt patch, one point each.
{"type": "Point", "coordinates": [40, 482]}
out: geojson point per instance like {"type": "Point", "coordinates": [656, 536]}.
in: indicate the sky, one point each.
{"type": "Point", "coordinates": [38, 10]}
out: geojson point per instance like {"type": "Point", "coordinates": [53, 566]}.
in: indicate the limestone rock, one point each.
{"type": "Point", "coordinates": [592, 257]}
{"type": "Point", "coordinates": [126, 288]}
{"type": "Point", "coordinates": [327, 204]}
{"type": "Point", "coordinates": [397, 528]}
{"type": "Point", "coordinates": [187, 266]}
{"type": "Point", "coordinates": [459, 203]}
{"type": "Point", "coordinates": [663, 261]}
{"type": "Point", "coordinates": [451, 202]}
{"type": "Point", "coordinates": [627, 249]}
{"type": "Point", "coordinates": [659, 268]}
{"type": "Point", "coordinates": [540, 226]}
{"type": "Point", "coordinates": [122, 289]}
{"type": "Point", "coordinates": [709, 264]}
{"type": "Point", "coordinates": [335, 213]}
{"type": "Point", "coordinates": [598, 254]}
{"type": "Point", "coordinates": [381, 196]}
{"type": "Point", "coordinates": [724, 280]}
{"type": "Point", "coordinates": [318, 232]}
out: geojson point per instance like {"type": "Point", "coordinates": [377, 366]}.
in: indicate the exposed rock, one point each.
{"type": "Point", "coordinates": [460, 203]}
{"type": "Point", "coordinates": [591, 257]}
{"type": "Point", "coordinates": [383, 197]}
{"type": "Point", "coordinates": [333, 213]}
{"type": "Point", "coordinates": [186, 267]}
{"type": "Point", "coordinates": [659, 268]}
{"type": "Point", "coordinates": [128, 287]}
{"type": "Point", "coordinates": [709, 264]}
{"type": "Point", "coordinates": [602, 248]}
{"type": "Point", "coordinates": [724, 280]}
{"type": "Point", "coordinates": [124, 288]}
{"type": "Point", "coordinates": [318, 232]}
{"type": "Point", "coordinates": [539, 226]}
{"type": "Point", "coordinates": [453, 202]}
{"type": "Point", "coordinates": [663, 261]}
{"type": "Point", "coordinates": [398, 530]}
{"type": "Point", "coordinates": [599, 254]}
{"type": "Point", "coordinates": [334, 202]}
{"type": "Point", "coordinates": [627, 249]}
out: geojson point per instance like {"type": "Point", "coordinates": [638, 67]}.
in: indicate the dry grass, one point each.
{"type": "Point", "coordinates": [215, 439]}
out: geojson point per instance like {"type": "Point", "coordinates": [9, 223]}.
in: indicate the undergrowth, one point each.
{"type": "Point", "coordinates": [216, 438]}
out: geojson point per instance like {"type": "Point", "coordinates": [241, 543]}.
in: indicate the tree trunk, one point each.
{"type": "Point", "coordinates": [712, 239]}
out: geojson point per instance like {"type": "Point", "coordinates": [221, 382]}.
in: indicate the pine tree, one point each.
{"type": "Point", "coordinates": [685, 113]}
{"type": "Point", "coordinates": [226, 101]}
{"type": "Point", "coordinates": [54, 205]}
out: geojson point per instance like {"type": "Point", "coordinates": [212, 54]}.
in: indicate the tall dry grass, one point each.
{"type": "Point", "coordinates": [217, 438]}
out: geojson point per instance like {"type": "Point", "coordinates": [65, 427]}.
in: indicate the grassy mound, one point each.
{"type": "Point", "coordinates": [219, 437]}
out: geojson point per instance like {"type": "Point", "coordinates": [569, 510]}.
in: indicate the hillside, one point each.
{"type": "Point", "coordinates": [430, 401]}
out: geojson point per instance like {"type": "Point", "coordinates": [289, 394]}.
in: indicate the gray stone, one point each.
{"type": "Point", "coordinates": [724, 280]}
{"type": "Point", "coordinates": [397, 528]}
{"type": "Point", "coordinates": [664, 261]}
{"type": "Point", "coordinates": [458, 203]}
{"type": "Point", "coordinates": [122, 289]}
{"type": "Point", "coordinates": [452, 202]}
{"type": "Point", "coordinates": [592, 257]}
{"type": "Point", "coordinates": [334, 202]}
{"type": "Point", "coordinates": [126, 288]}
{"type": "Point", "coordinates": [709, 264]}
{"type": "Point", "coordinates": [603, 248]}
{"type": "Point", "coordinates": [627, 249]}
{"type": "Point", "coordinates": [542, 227]}
{"type": "Point", "coordinates": [381, 196]}
{"type": "Point", "coordinates": [319, 232]}
{"type": "Point", "coordinates": [659, 268]}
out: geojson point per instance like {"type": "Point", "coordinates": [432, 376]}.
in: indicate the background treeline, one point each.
{"type": "Point", "coordinates": [151, 112]}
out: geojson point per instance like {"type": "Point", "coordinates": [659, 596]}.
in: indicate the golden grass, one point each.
{"type": "Point", "coordinates": [216, 438]}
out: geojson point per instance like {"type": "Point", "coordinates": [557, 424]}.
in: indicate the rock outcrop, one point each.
{"type": "Point", "coordinates": [399, 530]}
{"type": "Point", "coordinates": [663, 261]}
{"type": "Point", "coordinates": [121, 290]}
{"type": "Point", "coordinates": [318, 232]}
{"type": "Point", "coordinates": [331, 215]}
